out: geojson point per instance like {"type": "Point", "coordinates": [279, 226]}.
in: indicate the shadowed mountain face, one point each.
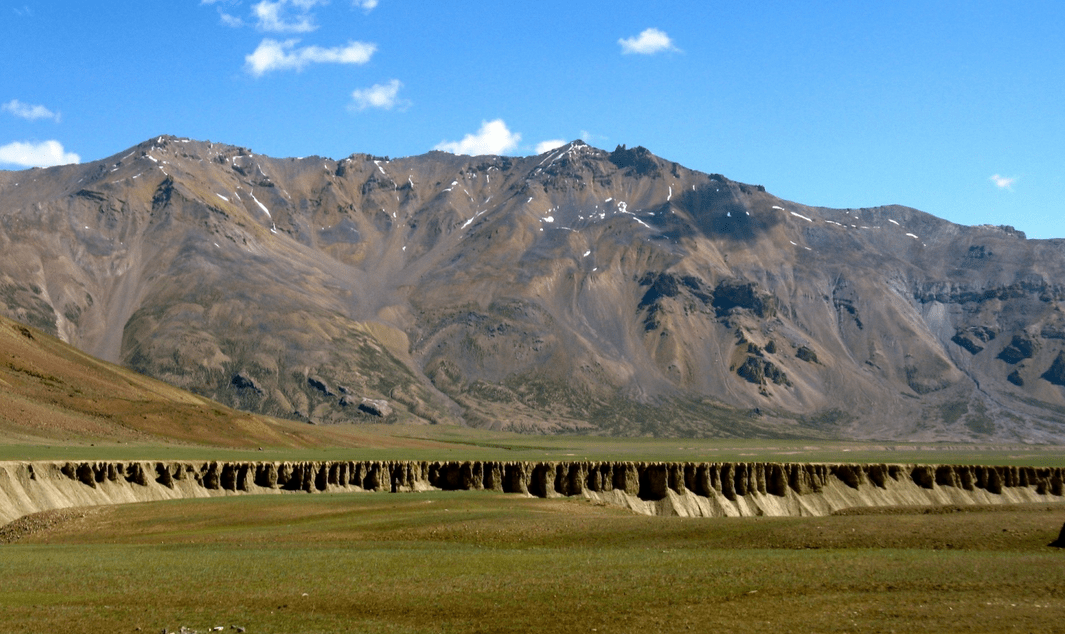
{"type": "Point", "coordinates": [579, 290]}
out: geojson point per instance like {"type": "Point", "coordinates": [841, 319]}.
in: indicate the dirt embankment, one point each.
{"type": "Point", "coordinates": [653, 488]}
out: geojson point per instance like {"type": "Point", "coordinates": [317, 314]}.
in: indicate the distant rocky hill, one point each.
{"type": "Point", "coordinates": [576, 291]}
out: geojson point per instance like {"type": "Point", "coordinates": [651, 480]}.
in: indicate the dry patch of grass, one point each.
{"type": "Point", "coordinates": [465, 562]}
{"type": "Point", "coordinates": [445, 443]}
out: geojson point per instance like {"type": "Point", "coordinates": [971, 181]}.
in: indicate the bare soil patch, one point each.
{"type": "Point", "coordinates": [42, 523]}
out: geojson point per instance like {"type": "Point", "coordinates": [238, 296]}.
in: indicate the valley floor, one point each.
{"type": "Point", "coordinates": [482, 561]}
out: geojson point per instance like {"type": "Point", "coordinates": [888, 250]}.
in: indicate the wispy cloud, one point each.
{"type": "Point", "coordinates": [383, 96]}
{"type": "Point", "coordinates": [649, 42]}
{"type": "Point", "coordinates": [1003, 183]}
{"type": "Point", "coordinates": [285, 16]}
{"type": "Point", "coordinates": [272, 55]}
{"type": "Point", "coordinates": [24, 11]}
{"type": "Point", "coordinates": [365, 5]}
{"type": "Point", "coordinates": [230, 20]}
{"type": "Point", "coordinates": [277, 16]}
{"type": "Point", "coordinates": [41, 155]}
{"type": "Point", "coordinates": [493, 138]}
{"type": "Point", "coordinates": [29, 111]}
{"type": "Point", "coordinates": [592, 138]}
{"type": "Point", "coordinates": [550, 144]}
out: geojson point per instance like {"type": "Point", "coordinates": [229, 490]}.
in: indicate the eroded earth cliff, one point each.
{"type": "Point", "coordinates": [654, 488]}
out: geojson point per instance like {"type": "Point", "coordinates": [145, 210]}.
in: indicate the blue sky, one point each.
{"type": "Point", "coordinates": [955, 108]}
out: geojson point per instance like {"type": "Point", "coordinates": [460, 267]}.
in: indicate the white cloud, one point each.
{"type": "Point", "coordinates": [1003, 183]}
{"type": "Point", "coordinates": [649, 42]}
{"type": "Point", "coordinates": [27, 111]}
{"type": "Point", "coordinates": [272, 55]}
{"type": "Point", "coordinates": [592, 138]}
{"type": "Point", "coordinates": [384, 96]}
{"type": "Point", "coordinates": [42, 155]}
{"type": "Point", "coordinates": [550, 144]}
{"type": "Point", "coordinates": [230, 20]}
{"type": "Point", "coordinates": [274, 16]}
{"type": "Point", "coordinates": [493, 138]}
{"type": "Point", "coordinates": [279, 16]}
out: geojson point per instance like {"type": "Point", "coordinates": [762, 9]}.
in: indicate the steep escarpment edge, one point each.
{"type": "Point", "coordinates": [697, 489]}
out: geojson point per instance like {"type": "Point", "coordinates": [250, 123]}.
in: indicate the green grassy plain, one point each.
{"type": "Point", "coordinates": [481, 561]}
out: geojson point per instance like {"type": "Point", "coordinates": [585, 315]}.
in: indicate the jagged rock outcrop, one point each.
{"type": "Point", "coordinates": [757, 371]}
{"type": "Point", "coordinates": [1021, 347]}
{"type": "Point", "coordinates": [654, 488]}
{"type": "Point", "coordinates": [244, 381]}
{"type": "Point", "coordinates": [376, 408]}
{"type": "Point", "coordinates": [1056, 373]}
{"type": "Point", "coordinates": [973, 339]}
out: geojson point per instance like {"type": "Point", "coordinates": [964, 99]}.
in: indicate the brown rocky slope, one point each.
{"type": "Point", "coordinates": [578, 290]}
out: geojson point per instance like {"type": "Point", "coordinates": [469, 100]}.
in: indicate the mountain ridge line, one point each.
{"type": "Point", "coordinates": [576, 291]}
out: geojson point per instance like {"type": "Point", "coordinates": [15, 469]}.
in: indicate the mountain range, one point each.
{"type": "Point", "coordinates": [577, 291]}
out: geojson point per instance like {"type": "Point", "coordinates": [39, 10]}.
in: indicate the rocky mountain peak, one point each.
{"type": "Point", "coordinates": [577, 290]}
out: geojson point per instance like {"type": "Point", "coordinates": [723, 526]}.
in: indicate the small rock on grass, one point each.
{"type": "Point", "coordinates": [1060, 542]}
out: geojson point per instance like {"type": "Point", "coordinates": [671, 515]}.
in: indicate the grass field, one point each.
{"type": "Point", "coordinates": [439, 443]}
{"type": "Point", "coordinates": [480, 561]}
